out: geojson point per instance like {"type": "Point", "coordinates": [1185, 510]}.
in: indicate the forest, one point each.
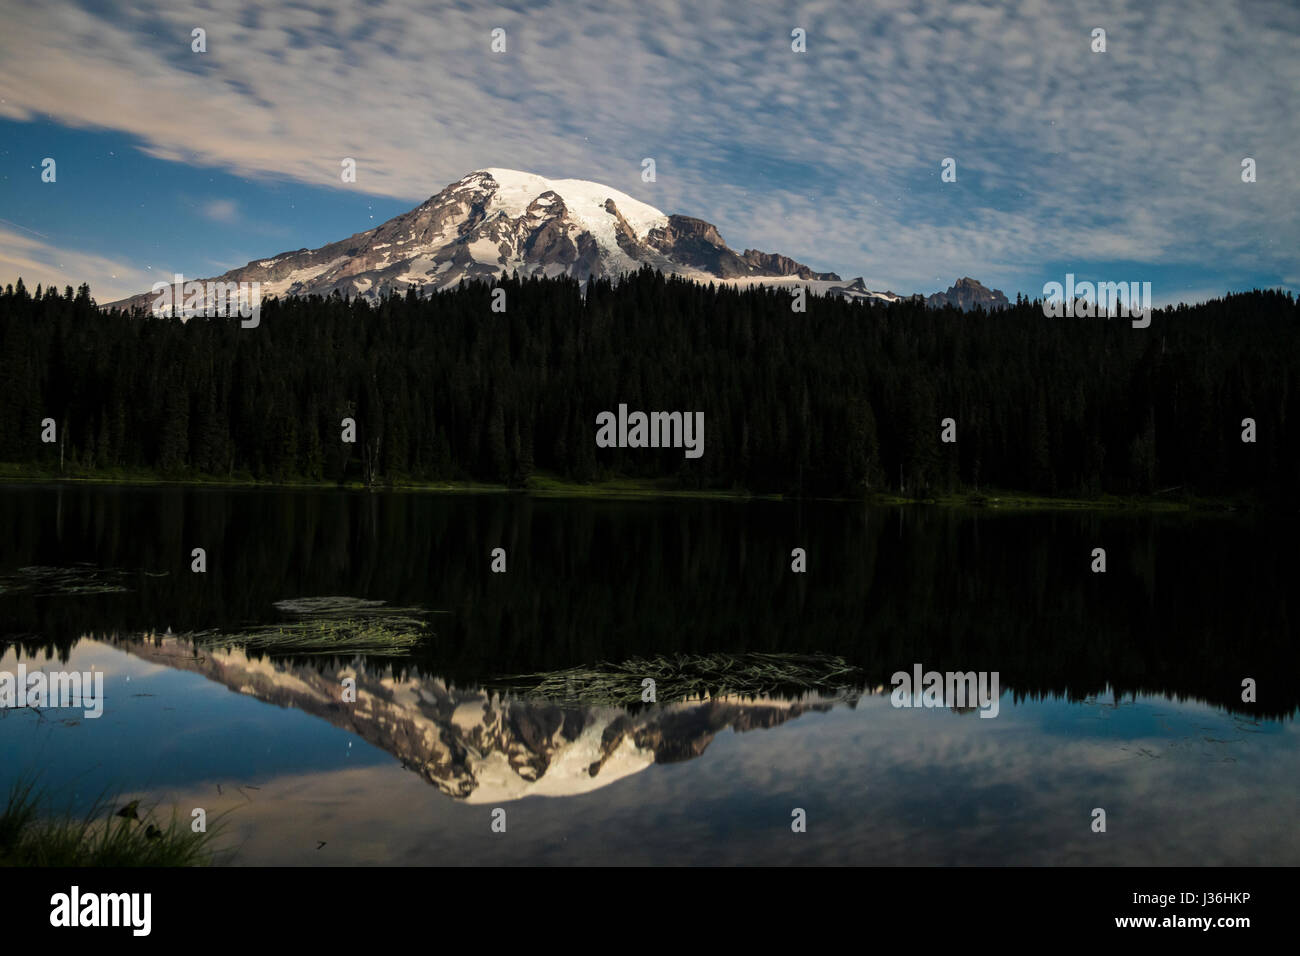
{"type": "Point", "coordinates": [843, 400]}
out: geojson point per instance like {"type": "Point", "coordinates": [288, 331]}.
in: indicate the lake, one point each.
{"type": "Point", "coordinates": [514, 730]}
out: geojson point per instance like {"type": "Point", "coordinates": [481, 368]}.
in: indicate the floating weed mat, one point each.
{"type": "Point", "coordinates": [330, 625]}
{"type": "Point", "coordinates": [327, 606]}
{"type": "Point", "coordinates": [78, 579]}
{"type": "Point", "coordinates": [688, 677]}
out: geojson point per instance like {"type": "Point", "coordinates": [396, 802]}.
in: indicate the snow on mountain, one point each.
{"type": "Point", "coordinates": [857, 290]}
{"type": "Point", "coordinates": [503, 220]}
{"type": "Point", "coordinates": [585, 200]}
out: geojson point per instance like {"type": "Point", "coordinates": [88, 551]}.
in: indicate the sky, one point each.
{"type": "Point", "coordinates": [1122, 165]}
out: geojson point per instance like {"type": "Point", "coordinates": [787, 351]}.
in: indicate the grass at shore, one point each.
{"type": "Point", "coordinates": [1000, 500]}
{"type": "Point", "coordinates": [103, 837]}
{"type": "Point", "coordinates": [142, 476]}
{"type": "Point", "coordinates": [551, 486]}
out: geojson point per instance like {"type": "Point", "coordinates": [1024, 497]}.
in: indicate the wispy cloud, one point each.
{"type": "Point", "coordinates": [221, 210]}
{"type": "Point", "coordinates": [831, 155]}
{"type": "Point", "coordinates": [45, 263]}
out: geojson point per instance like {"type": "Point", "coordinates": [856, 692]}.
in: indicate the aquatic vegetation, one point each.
{"type": "Point", "coordinates": [330, 625]}
{"type": "Point", "coordinates": [326, 606]}
{"type": "Point", "coordinates": [102, 837]}
{"type": "Point", "coordinates": [375, 637]}
{"type": "Point", "coordinates": [78, 579]}
{"type": "Point", "coordinates": [688, 677]}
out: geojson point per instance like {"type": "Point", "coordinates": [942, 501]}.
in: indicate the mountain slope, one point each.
{"type": "Point", "coordinates": [496, 220]}
{"type": "Point", "coordinates": [967, 294]}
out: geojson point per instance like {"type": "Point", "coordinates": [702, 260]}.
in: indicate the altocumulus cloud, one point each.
{"type": "Point", "coordinates": [830, 155]}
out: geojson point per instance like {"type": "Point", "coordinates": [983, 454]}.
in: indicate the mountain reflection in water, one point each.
{"type": "Point", "coordinates": [475, 745]}
{"type": "Point", "coordinates": [1120, 690]}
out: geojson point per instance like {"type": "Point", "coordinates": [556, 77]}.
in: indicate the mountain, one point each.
{"type": "Point", "coordinates": [483, 747]}
{"type": "Point", "coordinates": [503, 220]}
{"type": "Point", "coordinates": [966, 294]}
{"type": "Point", "coordinates": [857, 289]}
{"type": "Point", "coordinates": [496, 220]}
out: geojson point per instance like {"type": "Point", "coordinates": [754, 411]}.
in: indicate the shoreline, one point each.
{"type": "Point", "coordinates": [546, 486]}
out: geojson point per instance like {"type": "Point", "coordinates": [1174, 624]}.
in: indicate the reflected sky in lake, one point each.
{"type": "Point", "coordinates": [1182, 783]}
{"type": "Point", "coordinates": [1120, 691]}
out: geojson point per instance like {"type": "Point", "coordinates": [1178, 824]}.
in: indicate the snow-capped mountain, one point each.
{"type": "Point", "coordinates": [857, 289]}
{"type": "Point", "coordinates": [496, 220]}
{"type": "Point", "coordinates": [503, 220]}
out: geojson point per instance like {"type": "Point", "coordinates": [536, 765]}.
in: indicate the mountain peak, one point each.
{"type": "Point", "coordinates": [967, 294]}
{"type": "Point", "coordinates": [496, 220]}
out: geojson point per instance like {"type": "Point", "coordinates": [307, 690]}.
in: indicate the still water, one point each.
{"type": "Point", "coordinates": [1120, 691]}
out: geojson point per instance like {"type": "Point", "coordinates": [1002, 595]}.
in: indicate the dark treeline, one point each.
{"type": "Point", "coordinates": [840, 400]}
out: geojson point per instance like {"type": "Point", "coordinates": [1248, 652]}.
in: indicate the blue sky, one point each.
{"type": "Point", "coordinates": [1118, 166]}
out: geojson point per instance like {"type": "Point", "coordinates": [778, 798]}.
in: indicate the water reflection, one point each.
{"type": "Point", "coordinates": [1120, 690]}
{"type": "Point", "coordinates": [472, 744]}
{"type": "Point", "coordinates": [1182, 783]}
{"type": "Point", "coordinates": [1189, 606]}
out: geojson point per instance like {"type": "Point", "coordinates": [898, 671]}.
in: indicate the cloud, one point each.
{"type": "Point", "coordinates": [830, 155]}
{"type": "Point", "coordinates": [44, 263]}
{"type": "Point", "coordinates": [221, 210]}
